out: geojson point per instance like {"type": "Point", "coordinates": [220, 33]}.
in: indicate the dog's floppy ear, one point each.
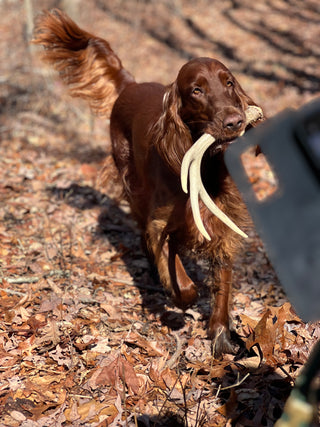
{"type": "Point", "coordinates": [172, 137]}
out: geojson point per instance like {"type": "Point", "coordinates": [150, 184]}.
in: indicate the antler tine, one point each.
{"type": "Point", "coordinates": [195, 151]}
{"type": "Point", "coordinates": [196, 187]}
{"type": "Point", "coordinates": [191, 165]}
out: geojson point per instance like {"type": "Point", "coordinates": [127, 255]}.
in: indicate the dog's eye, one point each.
{"type": "Point", "coordinates": [229, 83]}
{"type": "Point", "coordinates": [197, 91]}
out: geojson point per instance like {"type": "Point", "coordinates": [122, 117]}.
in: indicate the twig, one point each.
{"type": "Point", "coordinates": [198, 407]}
{"type": "Point", "coordinates": [232, 385]}
{"type": "Point", "coordinates": [286, 373]}
{"type": "Point", "coordinates": [167, 397]}
{"type": "Point", "coordinates": [33, 279]}
{"type": "Point", "coordinates": [171, 362]}
{"type": "Point", "coordinates": [81, 396]}
{"type": "Point", "coordinates": [29, 20]}
{"type": "Point", "coordinates": [61, 273]}
{"type": "Point", "coordinates": [124, 398]}
{"type": "Point", "coordinates": [19, 280]}
{"type": "Point", "coordinates": [237, 383]}
{"type": "Point", "coordinates": [184, 401]}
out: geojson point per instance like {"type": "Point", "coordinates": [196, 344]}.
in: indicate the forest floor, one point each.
{"type": "Point", "coordinates": [87, 338]}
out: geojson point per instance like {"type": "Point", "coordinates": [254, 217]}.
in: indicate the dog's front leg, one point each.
{"type": "Point", "coordinates": [172, 274]}
{"type": "Point", "coordinates": [219, 320]}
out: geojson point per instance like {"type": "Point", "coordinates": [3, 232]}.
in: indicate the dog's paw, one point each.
{"type": "Point", "coordinates": [221, 341]}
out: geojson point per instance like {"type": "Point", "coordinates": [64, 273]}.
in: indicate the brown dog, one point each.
{"type": "Point", "coordinates": [152, 127]}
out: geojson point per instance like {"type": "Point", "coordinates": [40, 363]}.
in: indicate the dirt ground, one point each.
{"type": "Point", "coordinates": [87, 338]}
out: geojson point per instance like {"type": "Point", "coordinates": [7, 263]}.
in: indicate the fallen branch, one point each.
{"type": "Point", "coordinates": [33, 279]}
{"type": "Point", "coordinates": [19, 280]}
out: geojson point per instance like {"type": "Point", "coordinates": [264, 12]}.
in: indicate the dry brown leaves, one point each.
{"type": "Point", "coordinates": [87, 338]}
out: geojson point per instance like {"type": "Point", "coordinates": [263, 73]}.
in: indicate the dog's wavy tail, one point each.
{"type": "Point", "coordinates": [86, 63]}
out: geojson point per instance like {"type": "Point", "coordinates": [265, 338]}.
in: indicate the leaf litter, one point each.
{"type": "Point", "coordinates": [87, 337]}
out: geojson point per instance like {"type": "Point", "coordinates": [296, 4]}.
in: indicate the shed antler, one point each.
{"type": "Point", "coordinates": [191, 165]}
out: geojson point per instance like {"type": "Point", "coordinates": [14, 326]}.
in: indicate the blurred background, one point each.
{"type": "Point", "coordinates": [272, 46]}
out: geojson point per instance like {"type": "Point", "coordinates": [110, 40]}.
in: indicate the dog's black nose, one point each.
{"type": "Point", "coordinates": [233, 122]}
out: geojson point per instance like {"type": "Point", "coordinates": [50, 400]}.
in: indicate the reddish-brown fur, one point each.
{"type": "Point", "coordinates": [152, 126]}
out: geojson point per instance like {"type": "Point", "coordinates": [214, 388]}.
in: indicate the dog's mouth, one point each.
{"type": "Point", "coordinates": [223, 138]}
{"type": "Point", "coordinates": [191, 169]}
{"type": "Point", "coordinates": [220, 145]}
